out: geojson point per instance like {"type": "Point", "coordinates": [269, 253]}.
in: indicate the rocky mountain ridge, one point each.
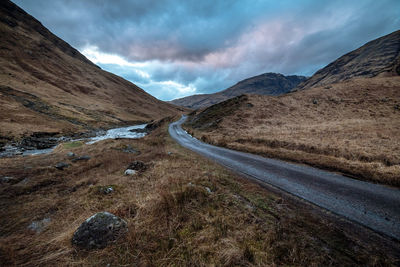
{"type": "Point", "coordinates": [264, 84]}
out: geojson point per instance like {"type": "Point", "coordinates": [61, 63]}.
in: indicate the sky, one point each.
{"type": "Point", "coordinates": [176, 48]}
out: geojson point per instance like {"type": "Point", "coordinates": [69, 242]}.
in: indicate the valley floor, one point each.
{"type": "Point", "coordinates": [183, 210]}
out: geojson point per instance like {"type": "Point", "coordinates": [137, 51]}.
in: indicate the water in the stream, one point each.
{"type": "Point", "coordinates": [122, 132]}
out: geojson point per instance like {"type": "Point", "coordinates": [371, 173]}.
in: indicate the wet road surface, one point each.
{"type": "Point", "coordinates": [372, 205]}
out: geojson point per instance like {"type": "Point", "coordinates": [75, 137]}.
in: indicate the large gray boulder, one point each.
{"type": "Point", "coordinates": [99, 230]}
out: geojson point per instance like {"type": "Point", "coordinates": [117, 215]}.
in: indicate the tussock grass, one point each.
{"type": "Point", "coordinates": [173, 218]}
{"type": "Point", "coordinates": [352, 127]}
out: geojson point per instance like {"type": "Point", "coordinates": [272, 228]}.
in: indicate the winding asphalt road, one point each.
{"type": "Point", "coordinates": [372, 205]}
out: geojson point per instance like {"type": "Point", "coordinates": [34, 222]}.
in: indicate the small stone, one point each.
{"type": "Point", "coordinates": [106, 189]}
{"type": "Point", "coordinates": [208, 189]}
{"type": "Point", "coordinates": [71, 154]}
{"type": "Point", "coordinates": [39, 226]}
{"type": "Point", "coordinates": [7, 179]}
{"type": "Point", "coordinates": [62, 165]}
{"type": "Point", "coordinates": [99, 230]}
{"type": "Point", "coordinates": [130, 172]}
{"type": "Point", "coordinates": [169, 153]}
{"type": "Point", "coordinates": [137, 166]}
{"type": "Point", "coordinates": [315, 101]}
{"type": "Point", "coordinates": [85, 157]}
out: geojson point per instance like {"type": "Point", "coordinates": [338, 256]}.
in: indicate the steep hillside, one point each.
{"type": "Point", "coordinates": [264, 84]}
{"type": "Point", "coordinates": [378, 57]}
{"type": "Point", "coordinates": [47, 85]}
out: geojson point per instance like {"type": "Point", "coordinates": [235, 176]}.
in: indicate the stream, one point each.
{"type": "Point", "coordinates": [130, 132]}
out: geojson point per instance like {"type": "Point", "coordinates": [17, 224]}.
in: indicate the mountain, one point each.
{"type": "Point", "coordinates": [264, 84]}
{"type": "Point", "coordinates": [378, 57]}
{"type": "Point", "coordinates": [47, 85]}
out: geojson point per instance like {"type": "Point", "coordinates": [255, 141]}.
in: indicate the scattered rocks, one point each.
{"type": "Point", "coordinates": [106, 189]}
{"type": "Point", "coordinates": [71, 154]}
{"type": "Point", "coordinates": [39, 140]}
{"type": "Point", "coordinates": [130, 172]}
{"type": "Point", "coordinates": [137, 166]}
{"type": "Point", "coordinates": [85, 157]}
{"type": "Point", "coordinates": [99, 230]}
{"type": "Point", "coordinates": [61, 166]}
{"type": "Point", "coordinates": [39, 226]}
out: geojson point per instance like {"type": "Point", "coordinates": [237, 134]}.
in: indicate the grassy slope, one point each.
{"type": "Point", "coordinates": [351, 127]}
{"type": "Point", "coordinates": [47, 85]}
{"type": "Point", "coordinates": [171, 222]}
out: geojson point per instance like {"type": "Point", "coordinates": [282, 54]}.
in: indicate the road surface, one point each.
{"type": "Point", "coordinates": [372, 205]}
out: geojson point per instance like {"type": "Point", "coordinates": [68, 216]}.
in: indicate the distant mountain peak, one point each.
{"type": "Point", "coordinates": [263, 84]}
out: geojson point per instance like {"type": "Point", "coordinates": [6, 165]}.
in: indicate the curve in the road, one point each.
{"type": "Point", "coordinates": [372, 205]}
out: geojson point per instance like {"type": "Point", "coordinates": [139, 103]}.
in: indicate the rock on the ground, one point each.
{"type": "Point", "coordinates": [7, 179]}
{"type": "Point", "coordinates": [39, 226]}
{"type": "Point", "coordinates": [99, 230]}
{"type": "Point", "coordinates": [85, 157]}
{"type": "Point", "coordinates": [130, 172]}
{"type": "Point", "coordinates": [62, 165]}
{"type": "Point", "coordinates": [106, 189]}
{"type": "Point", "coordinates": [71, 154]}
{"type": "Point", "coordinates": [137, 166]}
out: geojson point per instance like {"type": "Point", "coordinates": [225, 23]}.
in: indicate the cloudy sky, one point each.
{"type": "Point", "coordinates": [175, 48]}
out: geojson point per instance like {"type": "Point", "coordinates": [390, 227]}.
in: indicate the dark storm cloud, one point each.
{"type": "Point", "coordinates": [192, 46]}
{"type": "Point", "coordinates": [143, 30]}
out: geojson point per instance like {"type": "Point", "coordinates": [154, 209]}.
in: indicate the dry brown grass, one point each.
{"type": "Point", "coordinates": [173, 220]}
{"type": "Point", "coordinates": [352, 127]}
